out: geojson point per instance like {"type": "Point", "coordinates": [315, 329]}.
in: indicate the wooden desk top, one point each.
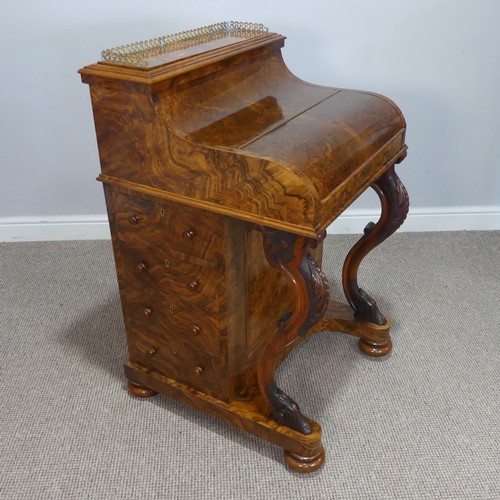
{"type": "Point", "coordinates": [217, 120]}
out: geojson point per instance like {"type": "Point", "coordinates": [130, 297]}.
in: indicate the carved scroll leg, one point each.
{"type": "Point", "coordinates": [395, 204]}
{"type": "Point", "coordinates": [289, 254]}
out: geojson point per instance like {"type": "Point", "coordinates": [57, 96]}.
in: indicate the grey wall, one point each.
{"type": "Point", "coordinates": [438, 59]}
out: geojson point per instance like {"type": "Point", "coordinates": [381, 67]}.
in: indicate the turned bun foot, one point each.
{"type": "Point", "coordinates": [139, 390]}
{"type": "Point", "coordinates": [304, 464]}
{"type": "Point", "coordinates": [375, 349]}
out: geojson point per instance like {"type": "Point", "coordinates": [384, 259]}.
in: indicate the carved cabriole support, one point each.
{"type": "Point", "coordinates": [395, 204]}
{"type": "Point", "coordinates": [289, 254]}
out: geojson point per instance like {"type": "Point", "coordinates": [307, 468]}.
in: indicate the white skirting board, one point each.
{"type": "Point", "coordinates": [472, 218]}
{"type": "Point", "coordinates": [95, 227]}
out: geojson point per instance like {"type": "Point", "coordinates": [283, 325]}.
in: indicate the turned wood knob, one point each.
{"type": "Point", "coordinates": [189, 234]}
{"type": "Point", "coordinates": [134, 219]}
{"type": "Point", "coordinates": [198, 370]}
{"type": "Point", "coordinates": [193, 285]}
{"type": "Point", "coordinates": [148, 311]}
{"type": "Point", "coordinates": [141, 266]}
{"type": "Point", "coordinates": [196, 329]}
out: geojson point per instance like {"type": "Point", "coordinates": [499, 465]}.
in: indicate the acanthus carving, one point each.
{"type": "Point", "coordinates": [318, 289]}
{"type": "Point", "coordinates": [395, 204]}
{"type": "Point", "coordinates": [289, 253]}
{"type": "Point", "coordinates": [390, 186]}
{"type": "Point", "coordinates": [287, 412]}
{"type": "Point", "coordinates": [365, 307]}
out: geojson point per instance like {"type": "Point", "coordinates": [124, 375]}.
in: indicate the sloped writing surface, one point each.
{"type": "Point", "coordinates": [333, 138]}
{"type": "Point", "coordinates": [240, 102]}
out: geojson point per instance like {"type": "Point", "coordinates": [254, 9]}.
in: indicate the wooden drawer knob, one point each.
{"type": "Point", "coordinates": [134, 219]}
{"type": "Point", "coordinates": [141, 267]}
{"type": "Point", "coordinates": [198, 370]}
{"type": "Point", "coordinates": [195, 330]}
{"type": "Point", "coordinates": [193, 285]}
{"type": "Point", "coordinates": [151, 351]}
{"type": "Point", "coordinates": [147, 311]}
{"type": "Point", "coordinates": [189, 234]}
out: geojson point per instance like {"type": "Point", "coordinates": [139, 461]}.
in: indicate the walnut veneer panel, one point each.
{"type": "Point", "coordinates": [244, 102]}
{"type": "Point", "coordinates": [171, 275]}
{"type": "Point", "coordinates": [331, 140]}
{"type": "Point", "coordinates": [195, 292]}
{"type": "Point", "coordinates": [244, 137]}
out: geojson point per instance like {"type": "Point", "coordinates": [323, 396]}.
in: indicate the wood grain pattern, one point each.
{"type": "Point", "coordinates": [181, 139]}
{"type": "Point", "coordinates": [195, 232]}
{"type": "Point", "coordinates": [221, 171]}
{"type": "Point", "coordinates": [172, 325]}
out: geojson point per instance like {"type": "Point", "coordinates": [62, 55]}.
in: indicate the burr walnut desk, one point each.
{"type": "Point", "coordinates": [221, 173]}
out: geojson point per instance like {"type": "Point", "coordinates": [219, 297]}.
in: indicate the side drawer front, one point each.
{"type": "Point", "coordinates": [178, 360]}
{"type": "Point", "coordinates": [139, 219]}
{"type": "Point", "coordinates": [168, 319]}
{"type": "Point", "coordinates": [172, 277]}
{"type": "Point", "coordinates": [172, 288]}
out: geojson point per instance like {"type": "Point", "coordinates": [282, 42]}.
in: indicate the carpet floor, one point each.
{"type": "Point", "coordinates": [423, 423]}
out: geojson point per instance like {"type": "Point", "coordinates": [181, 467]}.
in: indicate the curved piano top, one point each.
{"type": "Point", "coordinates": [223, 124]}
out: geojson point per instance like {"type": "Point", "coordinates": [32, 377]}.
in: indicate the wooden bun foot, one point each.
{"type": "Point", "coordinates": [304, 464]}
{"type": "Point", "coordinates": [139, 390]}
{"type": "Point", "coordinates": [375, 349]}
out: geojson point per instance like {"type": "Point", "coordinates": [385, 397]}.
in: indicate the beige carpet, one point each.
{"type": "Point", "coordinates": [423, 423]}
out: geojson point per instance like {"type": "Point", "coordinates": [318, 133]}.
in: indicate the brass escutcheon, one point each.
{"type": "Point", "coordinates": [171, 309]}
{"type": "Point", "coordinates": [162, 212]}
{"type": "Point", "coordinates": [174, 350]}
{"type": "Point", "coordinates": [167, 263]}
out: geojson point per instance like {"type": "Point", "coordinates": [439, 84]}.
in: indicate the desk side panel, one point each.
{"type": "Point", "coordinates": [173, 302]}
{"type": "Point", "coordinates": [137, 145]}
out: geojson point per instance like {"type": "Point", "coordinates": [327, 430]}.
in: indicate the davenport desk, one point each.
{"type": "Point", "coordinates": [221, 172]}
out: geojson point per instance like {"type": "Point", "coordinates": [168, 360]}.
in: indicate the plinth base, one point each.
{"type": "Point", "coordinates": [250, 415]}
{"type": "Point", "coordinates": [303, 452]}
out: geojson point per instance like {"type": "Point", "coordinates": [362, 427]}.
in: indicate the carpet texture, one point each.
{"type": "Point", "coordinates": [423, 423]}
